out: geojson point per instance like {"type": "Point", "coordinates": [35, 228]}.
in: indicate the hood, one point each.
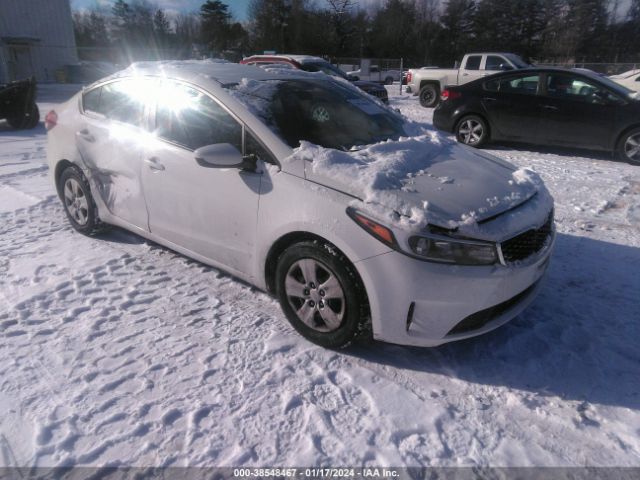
{"type": "Point", "coordinates": [366, 86]}
{"type": "Point", "coordinates": [427, 179]}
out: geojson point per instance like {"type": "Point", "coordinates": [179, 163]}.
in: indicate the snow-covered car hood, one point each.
{"type": "Point", "coordinates": [425, 179]}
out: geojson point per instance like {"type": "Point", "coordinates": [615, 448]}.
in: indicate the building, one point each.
{"type": "Point", "coordinates": [36, 38]}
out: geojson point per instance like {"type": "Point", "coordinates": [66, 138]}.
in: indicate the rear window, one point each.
{"type": "Point", "coordinates": [122, 100]}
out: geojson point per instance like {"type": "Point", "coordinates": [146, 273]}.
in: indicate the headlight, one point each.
{"type": "Point", "coordinates": [459, 252]}
{"type": "Point", "coordinates": [432, 247]}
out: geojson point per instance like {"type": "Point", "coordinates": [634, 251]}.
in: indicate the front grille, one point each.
{"type": "Point", "coordinates": [380, 93]}
{"type": "Point", "coordinates": [527, 243]}
{"type": "Point", "coordinates": [479, 319]}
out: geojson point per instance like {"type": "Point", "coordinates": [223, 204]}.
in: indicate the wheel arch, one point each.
{"type": "Point", "coordinates": [436, 83]}
{"type": "Point", "coordinates": [60, 167]}
{"type": "Point", "coordinates": [464, 115]}
{"type": "Point", "coordinates": [618, 138]}
{"type": "Point", "coordinates": [292, 238]}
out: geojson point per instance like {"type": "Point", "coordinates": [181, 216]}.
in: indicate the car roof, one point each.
{"type": "Point", "coordinates": [201, 71]}
{"type": "Point", "coordinates": [285, 56]}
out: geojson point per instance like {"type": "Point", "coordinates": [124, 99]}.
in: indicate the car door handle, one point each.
{"type": "Point", "coordinates": [550, 107]}
{"type": "Point", "coordinates": [154, 164]}
{"type": "Point", "coordinates": [489, 99]}
{"type": "Point", "coordinates": [86, 135]}
{"type": "Point", "coordinates": [465, 74]}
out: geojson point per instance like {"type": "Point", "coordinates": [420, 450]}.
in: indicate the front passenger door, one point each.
{"type": "Point", "coordinates": [209, 211]}
{"type": "Point", "coordinates": [576, 111]}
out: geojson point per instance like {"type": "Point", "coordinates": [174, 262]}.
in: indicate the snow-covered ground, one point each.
{"type": "Point", "coordinates": [114, 351]}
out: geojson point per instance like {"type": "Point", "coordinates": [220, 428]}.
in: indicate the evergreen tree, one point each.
{"type": "Point", "coordinates": [215, 25]}
{"type": "Point", "coordinates": [457, 29]}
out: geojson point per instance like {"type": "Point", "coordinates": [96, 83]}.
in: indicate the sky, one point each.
{"type": "Point", "coordinates": [237, 7]}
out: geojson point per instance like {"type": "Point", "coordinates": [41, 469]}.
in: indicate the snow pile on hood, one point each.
{"type": "Point", "coordinates": [428, 179]}
{"type": "Point", "coordinates": [378, 171]}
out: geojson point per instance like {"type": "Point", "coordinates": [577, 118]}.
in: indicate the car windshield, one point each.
{"type": "Point", "coordinates": [517, 61]}
{"type": "Point", "coordinates": [322, 112]}
{"type": "Point", "coordinates": [324, 67]}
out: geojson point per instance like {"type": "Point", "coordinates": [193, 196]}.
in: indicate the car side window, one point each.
{"type": "Point", "coordinates": [473, 62]}
{"type": "Point", "coordinates": [124, 101]}
{"type": "Point", "coordinates": [191, 119]}
{"type": "Point", "coordinates": [579, 89]}
{"type": "Point", "coordinates": [91, 100]}
{"type": "Point", "coordinates": [520, 84]}
{"type": "Point", "coordinates": [254, 147]}
{"type": "Point", "coordinates": [493, 62]}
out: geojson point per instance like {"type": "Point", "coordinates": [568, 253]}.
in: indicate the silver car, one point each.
{"type": "Point", "coordinates": [309, 189]}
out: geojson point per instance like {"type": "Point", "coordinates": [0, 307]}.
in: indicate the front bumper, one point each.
{"type": "Point", "coordinates": [427, 304]}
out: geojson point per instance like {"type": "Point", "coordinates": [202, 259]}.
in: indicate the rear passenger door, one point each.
{"type": "Point", "coordinates": [110, 138]}
{"type": "Point", "coordinates": [513, 106]}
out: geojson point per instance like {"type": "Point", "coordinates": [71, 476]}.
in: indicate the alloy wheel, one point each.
{"type": "Point", "coordinates": [76, 201]}
{"type": "Point", "coordinates": [471, 131]}
{"type": "Point", "coordinates": [315, 294]}
{"type": "Point", "coordinates": [632, 147]}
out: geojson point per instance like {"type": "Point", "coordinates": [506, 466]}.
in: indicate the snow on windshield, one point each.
{"type": "Point", "coordinates": [257, 96]}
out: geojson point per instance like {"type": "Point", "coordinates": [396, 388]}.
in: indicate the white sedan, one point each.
{"type": "Point", "coordinates": [630, 79]}
{"type": "Point", "coordinates": [306, 187]}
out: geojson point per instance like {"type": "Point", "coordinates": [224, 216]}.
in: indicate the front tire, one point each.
{"type": "Point", "coordinates": [321, 294]}
{"type": "Point", "coordinates": [429, 96]}
{"type": "Point", "coordinates": [629, 147]}
{"type": "Point", "coordinates": [78, 202]}
{"type": "Point", "coordinates": [388, 81]}
{"type": "Point", "coordinates": [472, 130]}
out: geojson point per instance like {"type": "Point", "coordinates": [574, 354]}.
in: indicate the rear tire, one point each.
{"type": "Point", "coordinates": [27, 119]}
{"type": "Point", "coordinates": [388, 81]}
{"type": "Point", "coordinates": [321, 294]}
{"type": "Point", "coordinates": [472, 130]}
{"type": "Point", "coordinates": [629, 147]}
{"type": "Point", "coordinates": [429, 96]}
{"type": "Point", "coordinates": [78, 202]}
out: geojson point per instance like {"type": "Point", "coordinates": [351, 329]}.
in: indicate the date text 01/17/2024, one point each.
{"type": "Point", "coordinates": [319, 472]}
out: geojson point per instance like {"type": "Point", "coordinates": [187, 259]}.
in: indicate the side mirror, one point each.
{"type": "Point", "coordinates": [224, 155]}
{"type": "Point", "coordinates": [505, 67]}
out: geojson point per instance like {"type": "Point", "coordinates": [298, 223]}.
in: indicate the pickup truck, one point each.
{"type": "Point", "coordinates": [376, 75]}
{"type": "Point", "coordinates": [429, 82]}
